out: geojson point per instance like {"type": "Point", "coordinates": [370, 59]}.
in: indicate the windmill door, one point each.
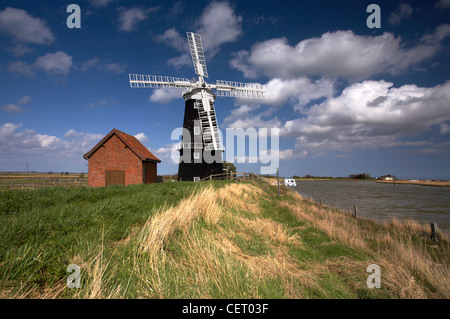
{"type": "Point", "coordinates": [114, 177]}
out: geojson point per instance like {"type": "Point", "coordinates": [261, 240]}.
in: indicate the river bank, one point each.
{"type": "Point", "coordinates": [383, 202]}
{"type": "Point", "coordinates": [214, 239]}
{"type": "Point", "coordinates": [421, 182]}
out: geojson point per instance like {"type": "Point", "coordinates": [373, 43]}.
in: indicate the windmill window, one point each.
{"type": "Point", "coordinates": [196, 155]}
{"type": "Point", "coordinates": [196, 130]}
{"type": "Point", "coordinates": [196, 179]}
{"type": "Point", "coordinates": [195, 105]}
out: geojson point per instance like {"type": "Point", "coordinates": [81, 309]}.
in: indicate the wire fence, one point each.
{"type": "Point", "coordinates": [42, 182]}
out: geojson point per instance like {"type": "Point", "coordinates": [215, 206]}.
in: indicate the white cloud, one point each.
{"type": "Point", "coordinates": [54, 63]}
{"type": "Point", "coordinates": [217, 25]}
{"type": "Point", "coordinates": [404, 11]}
{"type": "Point", "coordinates": [20, 50]}
{"type": "Point", "coordinates": [129, 18]}
{"type": "Point", "coordinates": [338, 54]}
{"type": "Point", "coordinates": [24, 100]}
{"type": "Point", "coordinates": [103, 102]}
{"type": "Point", "coordinates": [117, 67]}
{"type": "Point", "coordinates": [16, 108]}
{"type": "Point", "coordinates": [177, 8]}
{"type": "Point", "coordinates": [244, 117]}
{"type": "Point", "coordinates": [73, 134]}
{"type": "Point", "coordinates": [168, 154]}
{"type": "Point", "coordinates": [31, 142]}
{"type": "Point", "coordinates": [12, 108]}
{"type": "Point", "coordinates": [298, 91]}
{"type": "Point", "coordinates": [100, 3]}
{"type": "Point", "coordinates": [58, 63]}
{"type": "Point", "coordinates": [280, 154]}
{"type": "Point", "coordinates": [165, 95]}
{"type": "Point", "coordinates": [101, 65]}
{"type": "Point", "coordinates": [370, 114]}
{"type": "Point", "coordinates": [44, 151]}
{"type": "Point", "coordinates": [445, 129]}
{"type": "Point", "coordinates": [141, 137]}
{"type": "Point", "coordinates": [442, 4]}
{"type": "Point", "coordinates": [239, 62]}
{"type": "Point", "coordinates": [173, 38]}
{"type": "Point", "coordinates": [21, 68]}
{"type": "Point", "coordinates": [24, 28]}
{"type": "Point", "coordinates": [27, 142]}
{"type": "Point", "coordinates": [179, 61]}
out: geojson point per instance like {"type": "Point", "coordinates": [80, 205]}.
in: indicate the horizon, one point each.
{"type": "Point", "coordinates": [346, 96]}
{"type": "Point", "coordinates": [273, 175]}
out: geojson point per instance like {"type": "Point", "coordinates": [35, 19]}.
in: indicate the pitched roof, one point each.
{"type": "Point", "coordinates": [134, 145]}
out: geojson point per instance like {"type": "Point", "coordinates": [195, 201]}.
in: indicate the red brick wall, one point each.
{"type": "Point", "coordinates": [115, 155]}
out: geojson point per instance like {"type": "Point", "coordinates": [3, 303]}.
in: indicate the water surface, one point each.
{"type": "Point", "coordinates": [382, 202]}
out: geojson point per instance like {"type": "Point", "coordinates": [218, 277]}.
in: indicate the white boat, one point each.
{"type": "Point", "coordinates": [290, 182]}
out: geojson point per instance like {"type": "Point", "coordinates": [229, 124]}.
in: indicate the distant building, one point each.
{"type": "Point", "coordinates": [120, 158]}
{"type": "Point", "coordinates": [386, 178]}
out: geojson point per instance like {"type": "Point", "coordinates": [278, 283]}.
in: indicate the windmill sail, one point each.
{"type": "Point", "coordinates": [197, 53]}
{"type": "Point", "coordinates": [156, 81]}
{"type": "Point", "coordinates": [208, 122]}
{"type": "Point", "coordinates": [241, 90]}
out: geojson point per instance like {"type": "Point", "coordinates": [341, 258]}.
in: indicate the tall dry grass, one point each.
{"type": "Point", "coordinates": [210, 261]}
{"type": "Point", "coordinates": [401, 249]}
{"type": "Point", "coordinates": [337, 225]}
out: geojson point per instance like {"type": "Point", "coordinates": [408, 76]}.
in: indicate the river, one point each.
{"type": "Point", "coordinates": [382, 202]}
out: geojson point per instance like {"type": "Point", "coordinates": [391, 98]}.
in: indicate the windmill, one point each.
{"type": "Point", "coordinates": [201, 147]}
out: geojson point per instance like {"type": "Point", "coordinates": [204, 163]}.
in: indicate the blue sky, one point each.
{"type": "Point", "coordinates": [346, 98]}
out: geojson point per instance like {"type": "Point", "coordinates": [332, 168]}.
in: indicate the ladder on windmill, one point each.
{"type": "Point", "coordinates": [208, 126]}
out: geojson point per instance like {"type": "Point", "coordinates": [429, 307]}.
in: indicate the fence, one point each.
{"type": "Point", "coordinates": [248, 177]}
{"type": "Point", "coordinates": [353, 209]}
{"type": "Point", "coordinates": [40, 182]}
{"type": "Point", "coordinates": [231, 176]}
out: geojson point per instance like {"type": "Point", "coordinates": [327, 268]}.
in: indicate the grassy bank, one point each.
{"type": "Point", "coordinates": [207, 240]}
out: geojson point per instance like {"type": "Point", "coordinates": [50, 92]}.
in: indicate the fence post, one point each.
{"type": "Point", "coordinates": [278, 182]}
{"type": "Point", "coordinates": [355, 211]}
{"type": "Point", "coordinates": [434, 232]}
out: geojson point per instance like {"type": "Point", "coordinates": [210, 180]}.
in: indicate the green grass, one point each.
{"type": "Point", "coordinates": [257, 247]}
{"type": "Point", "coordinates": [40, 230]}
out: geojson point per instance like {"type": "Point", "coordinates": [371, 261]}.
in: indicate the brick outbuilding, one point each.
{"type": "Point", "coordinates": [120, 158]}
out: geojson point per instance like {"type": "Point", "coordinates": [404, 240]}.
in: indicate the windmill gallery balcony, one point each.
{"type": "Point", "coordinates": [197, 145]}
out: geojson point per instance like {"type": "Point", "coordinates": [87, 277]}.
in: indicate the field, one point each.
{"type": "Point", "coordinates": [39, 180]}
{"type": "Point", "coordinates": [218, 239]}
